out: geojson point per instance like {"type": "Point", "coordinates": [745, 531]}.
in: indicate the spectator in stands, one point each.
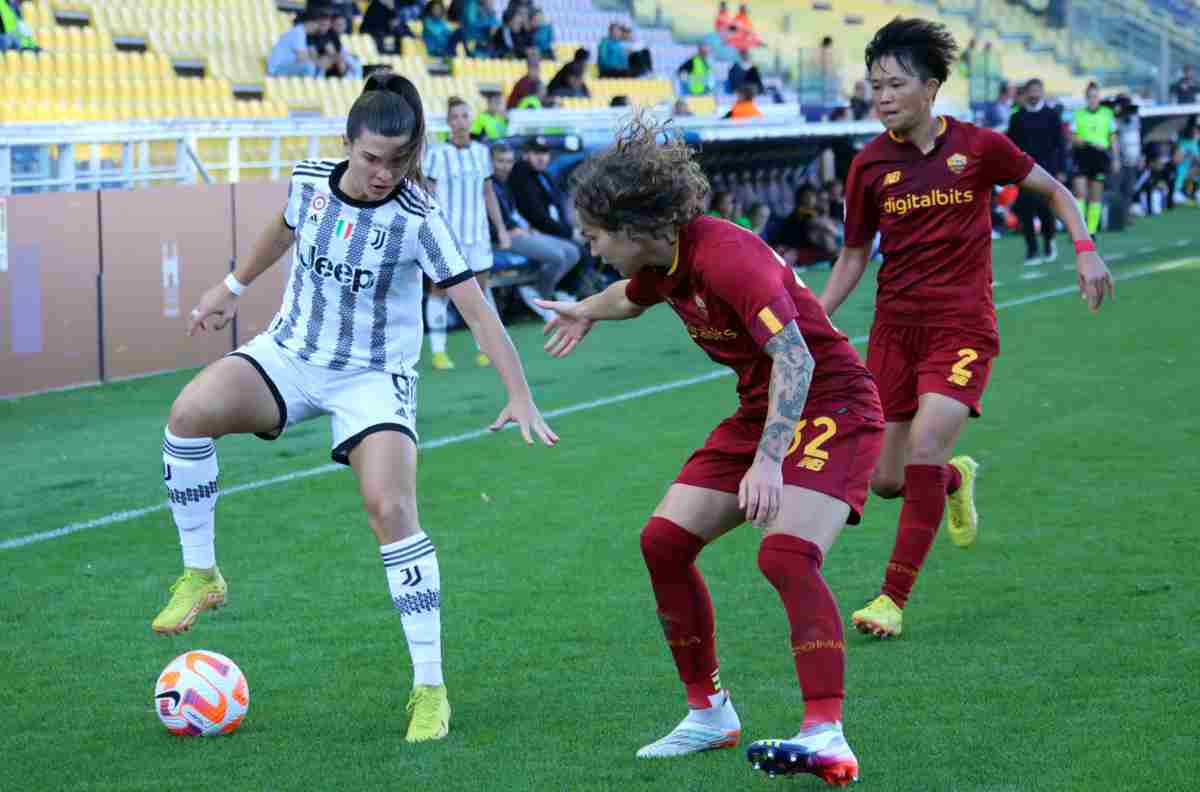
{"type": "Point", "coordinates": [724, 205]}
{"type": "Point", "coordinates": [538, 198]}
{"type": "Point", "coordinates": [440, 40]}
{"type": "Point", "coordinates": [744, 36]}
{"type": "Point", "coordinates": [576, 64]}
{"type": "Point", "coordinates": [744, 107]}
{"type": "Point", "coordinates": [542, 32]}
{"type": "Point", "coordinates": [385, 22]}
{"type": "Point", "coordinates": [531, 83]}
{"type": "Point", "coordinates": [612, 59]}
{"type": "Point", "coordinates": [15, 34]}
{"type": "Point", "coordinates": [999, 112]}
{"type": "Point", "coordinates": [345, 64]}
{"type": "Point", "coordinates": [1036, 129]}
{"type": "Point", "coordinates": [291, 56]}
{"type": "Point", "coordinates": [640, 61]}
{"type": "Point", "coordinates": [514, 38]}
{"type": "Point", "coordinates": [554, 257]}
{"type": "Point", "coordinates": [744, 71]}
{"type": "Point", "coordinates": [346, 10]}
{"type": "Point", "coordinates": [695, 74]}
{"type": "Point", "coordinates": [836, 189]}
{"type": "Point", "coordinates": [803, 237]}
{"type": "Point", "coordinates": [480, 25]}
{"type": "Point", "coordinates": [491, 123]}
{"type": "Point", "coordinates": [573, 86]}
{"type": "Point", "coordinates": [1187, 164]}
{"type": "Point", "coordinates": [681, 109]}
{"type": "Point", "coordinates": [860, 105]}
{"type": "Point", "coordinates": [759, 216]}
{"type": "Point", "coordinates": [1184, 91]}
{"type": "Point", "coordinates": [831, 72]}
{"type": "Point", "coordinates": [723, 24]}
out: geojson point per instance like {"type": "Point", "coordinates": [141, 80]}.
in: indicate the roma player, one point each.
{"type": "Point", "coordinates": [925, 185]}
{"type": "Point", "coordinates": [795, 458]}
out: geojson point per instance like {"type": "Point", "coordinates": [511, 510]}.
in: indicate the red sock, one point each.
{"type": "Point", "coordinates": [793, 566]}
{"type": "Point", "coordinates": [953, 479]}
{"type": "Point", "coordinates": [924, 502]}
{"type": "Point", "coordinates": [684, 606]}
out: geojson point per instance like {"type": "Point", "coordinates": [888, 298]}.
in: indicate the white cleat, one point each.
{"type": "Point", "coordinates": [701, 730]}
{"type": "Point", "coordinates": [821, 750]}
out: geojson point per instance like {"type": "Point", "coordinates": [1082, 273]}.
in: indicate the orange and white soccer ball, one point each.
{"type": "Point", "coordinates": [201, 693]}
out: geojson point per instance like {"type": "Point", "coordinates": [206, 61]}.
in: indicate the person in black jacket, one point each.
{"type": "Point", "coordinates": [539, 200]}
{"type": "Point", "coordinates": [1036, 129]}
{"type": "Point", "coordinates": [385, 21]}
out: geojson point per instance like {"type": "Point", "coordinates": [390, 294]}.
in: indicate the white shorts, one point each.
{"type": "Point", "coordinates": [479, 257]}
{"type": "Point", "coordinates": [360, 401]}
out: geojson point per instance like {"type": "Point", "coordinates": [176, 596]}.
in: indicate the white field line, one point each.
{"type": "Point", "coordinates": [133, 514]}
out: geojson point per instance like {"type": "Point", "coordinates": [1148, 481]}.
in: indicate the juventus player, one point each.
{"type": "Point", "coordinates": [344, 343]}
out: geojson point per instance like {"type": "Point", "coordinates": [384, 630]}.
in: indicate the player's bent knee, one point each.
{"type": "Point", "coordinates": [395, 514]}
{"type": "Point", "coordinates": [887, 487]}
{"type": "Point", "coordinates": [191, 417]}
{"type": "Point", "coordinates": [663, 542]}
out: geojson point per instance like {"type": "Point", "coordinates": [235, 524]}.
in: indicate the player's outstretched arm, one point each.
{"type": "Point", "coordinates": [218, 306]}
{"type": "Point", "coordinates": [1095, 281]}
{"type": "Point", "coordinates": [760, 492]}
{"type": "Point", "coordinates": [572, 321]}
{"type": "Point", "coordinates": [493, 340]}
{"type": "Point", "coordinates": [845, 276]}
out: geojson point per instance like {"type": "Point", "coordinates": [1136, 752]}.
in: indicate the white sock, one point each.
{"type": "Point", "coordinates": [190, 472]}
{"type": "Point", "coordinates": [416, 586]}
{"type": "Point", "coordinates": [437, 306]}
{"type": "Point", "coordinates": [717, 715]}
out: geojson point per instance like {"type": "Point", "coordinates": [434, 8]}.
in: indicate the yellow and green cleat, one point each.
{"type": "Point", "coordinates": [962, 521]}
{"type": "Point", "coordinates": [192, 594]}
{"type": "Point", "coordinates": [429, 711]}
{"type": "Point", "coordinates": [441, 361]}
{"type": "Point", "coordinates": [881, 618]}
{"type": "Point", "coordinates": [482, 360]}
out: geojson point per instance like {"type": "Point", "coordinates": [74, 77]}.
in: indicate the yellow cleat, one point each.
{"type": "Point", "coordinates": [430, 713]}
{"type": "Point", "coordinates": [962, 521]}
{"type": "Point", "coordinates": [482, 360]}
{"type": "Point", "coordinates": [881, 618]}
{"type": "Point", "coordinates": [192, 594]}
{"type": "Point", "coordinates": [441, 361]}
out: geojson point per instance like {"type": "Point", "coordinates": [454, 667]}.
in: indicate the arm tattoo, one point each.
{"type": "Point", "coordinates": [791, 376]}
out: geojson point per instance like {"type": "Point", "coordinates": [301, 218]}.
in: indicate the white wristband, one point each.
{"type": "Point", "coordinates": [234, 285]}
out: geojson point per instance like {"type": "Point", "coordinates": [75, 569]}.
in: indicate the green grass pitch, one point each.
{"type": "Point", "coordinates": [1060, 653]}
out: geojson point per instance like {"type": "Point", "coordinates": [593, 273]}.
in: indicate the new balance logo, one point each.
{"type": "Point", "coordinates": [421, 602]}
{"type": "Point", "coordinates": [412, 576]}
{"type": "Point", "coordinates": [192, 494]}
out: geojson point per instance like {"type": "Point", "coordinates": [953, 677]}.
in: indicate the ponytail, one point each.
{"type": "Point", "coordinates": [391, 106]}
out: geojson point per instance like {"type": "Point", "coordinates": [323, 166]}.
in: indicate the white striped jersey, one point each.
{"type": "Point", "coordinates": [353, 299]}
{"type": "Point", "coordinates": [459, 174]}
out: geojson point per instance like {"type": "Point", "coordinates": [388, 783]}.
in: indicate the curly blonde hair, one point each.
{"type": "Point", "coordinates": [648, 184]}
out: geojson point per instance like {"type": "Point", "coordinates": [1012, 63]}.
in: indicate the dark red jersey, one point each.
{"type": "Point", "coordinates": [934, 214]}
{"type": "Point", "coordinates": [734, 293]}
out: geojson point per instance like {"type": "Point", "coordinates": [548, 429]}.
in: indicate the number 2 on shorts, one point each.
{"type": "Point", "coordinates": [814, 456]}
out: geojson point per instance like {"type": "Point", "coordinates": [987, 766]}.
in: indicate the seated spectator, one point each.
{"type": "Point", "coordinates": [385, 22]}
{"type": "Point", "coordinates": [538, 198]}
{"type": "Point", "coordinates": [577, 63]}
{"type": "Point", "coordinates": [491, 124]}
{"type": "Point", "coordinates": [860, 105]}
{"type": "Point", "coordinates": [15, 34]}
{"type": "Point", "coordinates": [724, 205]}
{"type": "Point", "coordinates": [291, 56]}
{"type": "Point", "coordinates": [744, 107]}
{"type": "Point", "coordinates": [536, 100]}
{"type": "Point", "coordinates": [530, 83]}
{"type": "Point", "coordinates": [543, 33]}
{"type": "Point", "coordinates": [695, 74]}
{"type": "Point", "coordinates": [640, 61]}
{"type": "Point", "coordinates": [555, 257]}
{"type": "Point", "coordinates": [1184, 91]}
{"type": "Point", "coordinates": [743, 35]}
{"type": "Point", "coordinates": [1187, 164]}
{"type": "Point", "coordinates": [346, 10]}
{"type": "Point", "coordinates": [440, 40]}
{"type": "Point", "coordinates": [573, 86]}
{"type": "Point", "coordinates": [612, 59]}
{"type": "Point", "coordinates": [723, 24]}
{"type": "Point", "coordinates": [480, 25]}
{"type": "Point", "coordinates": [759, 216]}
{"type": "Point", "coordinates": [328, 45]}
{"type": "Point", "coordinates": [837, 199]}
{"type": "Point", "coordinates": [744, 71]}
{"type": "Point", "coordinates": [514, 38]}
{"type": "Point", "coordinates": [804, 237]}
{"type": "Point", "coordinates": [681, 109]}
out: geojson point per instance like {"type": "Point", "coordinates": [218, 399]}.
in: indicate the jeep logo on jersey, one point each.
{"type": "Point", "coordinates": [356, 279]}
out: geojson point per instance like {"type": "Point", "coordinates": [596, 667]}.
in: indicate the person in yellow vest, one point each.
{"type": "Point", "coordinates": [695, 75]}
{"type": "Point", "coordinates": [492, 123]}
{"type": "Point", "coordinates": [1095, 149]}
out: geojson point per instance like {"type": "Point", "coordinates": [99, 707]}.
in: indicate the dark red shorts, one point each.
{"type": "Point", "coordinates": [909, 361]}
{"type": "Point", "coordinates": [834, 452]}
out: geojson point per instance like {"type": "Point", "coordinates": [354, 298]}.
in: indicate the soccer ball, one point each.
{"type": "Point", "coordinates": [201, 692]}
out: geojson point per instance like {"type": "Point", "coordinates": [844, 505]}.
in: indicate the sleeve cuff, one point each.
{"type": "Point", "coordinates": [286, 223]}
{"type": "Point", "coordinates": [772, 318]}
{"type": "Point", "coordinates": [461, 277]}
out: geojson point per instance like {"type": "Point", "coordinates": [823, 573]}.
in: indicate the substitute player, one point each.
{"type": "Point", "coordinates": [795, 458]}
{"type": "Point", "coordinates": [344, 343]}
{"type": "Point", "coordinates": [461, 169]}
{"type": "Point", "coordinates": [925, 186]}
{"type": "Point", "coordinates": [1095, 153]}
